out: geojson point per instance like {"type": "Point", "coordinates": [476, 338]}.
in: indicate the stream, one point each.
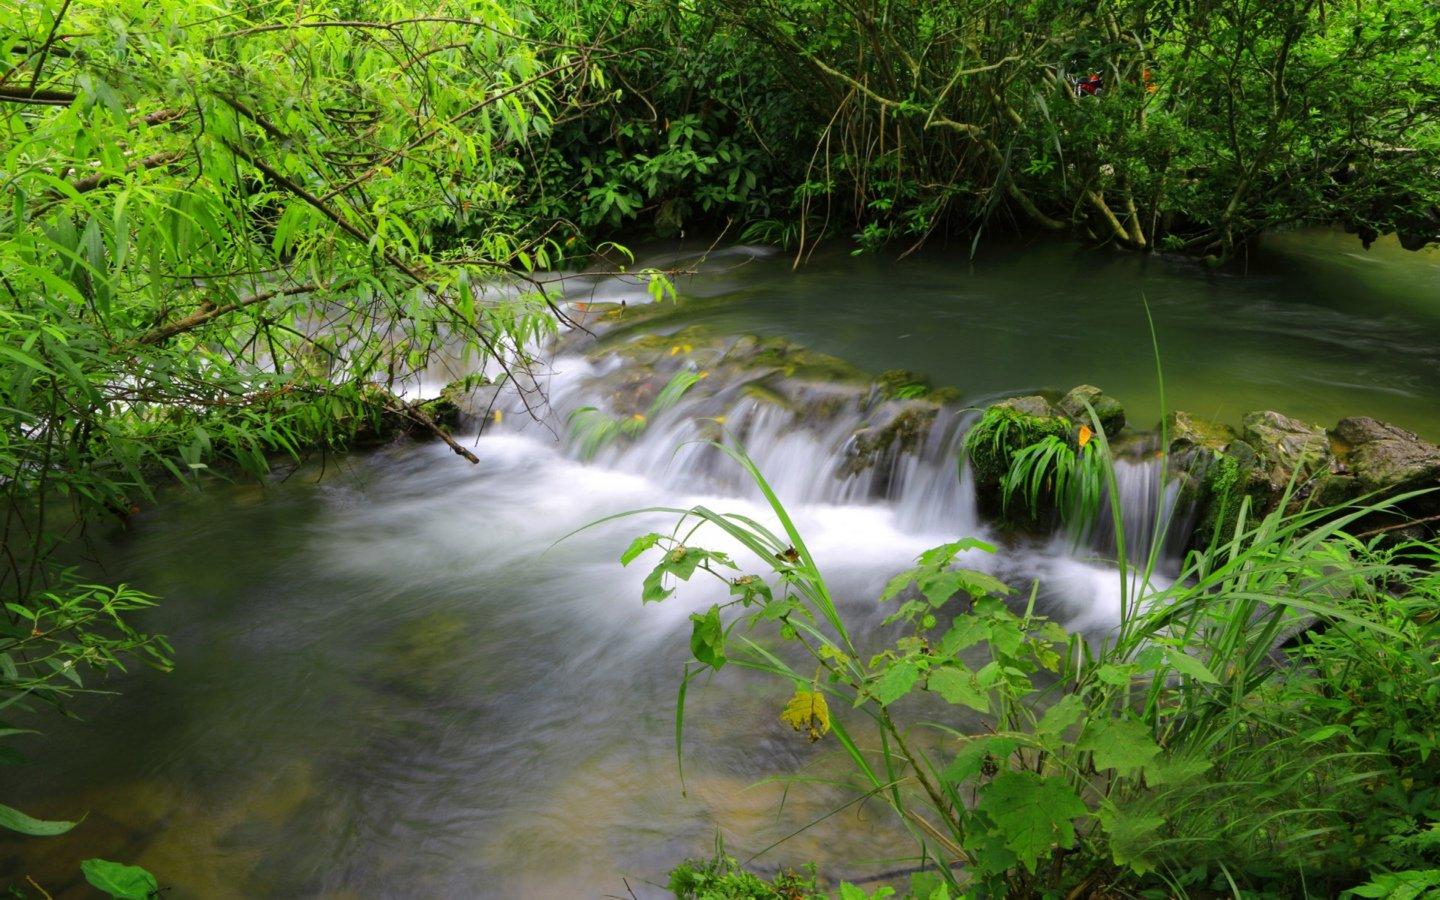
{"type": "Point", "coordinates": [394, 678]}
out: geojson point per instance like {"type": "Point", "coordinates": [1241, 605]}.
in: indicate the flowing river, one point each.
{"type": "Point", "coordinates": [395, 679]}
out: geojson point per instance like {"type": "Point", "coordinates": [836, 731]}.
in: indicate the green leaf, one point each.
{"type": "Point", "coordinates": [118, 880]}
{"type": "Point", "coordinates": [896, 682]}
{"type": "Point", "coordinates": [1189, 665]}
{"type": "Point", "coordinates": [1065, 712]}
{"type": "Point", "coordinates": [707, 639]}
{"type": "Point", "coordinates": [1031, 814]}
{"type": "Point", "coordinates": [970, 759]}
{"type": "Point", "coordinates": [1116, 675]}
{"type": "Point", "coordinates": [897, 584]}
{"type": "Point", "coordinates": [941, 555]}
{"type": "Point", "coordinates": [965, 631]}
{"type": "Point", "coordinates": [957, 686]}
{"type": "Point", "coordinates": [15, 820]}
{"type": "Point", "coordinates": [1124, 745]}
{"type": "Point", "coordinates": [1176, 769]}
{"type": "Point", "coordinates": [654, 589]}
{"type": "Point", "coordinates": [638, 546]}
{"type": "Point", "coordinates": [1129, 832]}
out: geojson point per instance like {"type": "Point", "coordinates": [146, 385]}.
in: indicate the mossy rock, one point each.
{"type": "Point", "coordinates": [792, 361]}
{"type": "Point", "coordinates": [1030, 405]}
{"type": "Point", "coordinates": [1107, 409]}
{"type": "Point", "coordinates": [1004, 430]}
{"type": "Point", "coordinates": [1384, 457]}
{"type": "Point", "coordinates": [903, 433]}
{"type": "Point", "coordinates": [1287, 446]}
{"type": "Point", "coordinates": [649, 349]}
{"type": "Point", "coordinates": [448, 409]}
{"type": "Point", "coordinates": [1189, 432]}
{"type": "Point", "coordinates": [765, 393]}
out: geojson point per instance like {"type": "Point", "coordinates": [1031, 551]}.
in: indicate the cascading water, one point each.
{"type": "Point", "coordinates": [1151, 511]}
{"type": "Point", "coordinates": [835, 449]}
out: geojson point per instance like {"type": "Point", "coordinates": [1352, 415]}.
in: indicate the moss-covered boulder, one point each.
{"type": "Point", "coordinates": [903, 432]}
{"type": "Point", "coordinates": [1107, 409]}
{"type": "Point", "coordinates": [1005, 429]}
{"type": "Point", "coordinates": [1189, 433]}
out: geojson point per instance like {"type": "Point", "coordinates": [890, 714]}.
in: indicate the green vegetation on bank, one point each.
{"type": "Point", "coordinates": [1267, 725]}
{"type": "Point", "coordinates": [895, 122]}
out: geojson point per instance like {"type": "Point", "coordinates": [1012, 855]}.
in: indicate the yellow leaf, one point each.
{"type": "Point", "coordinates": [498, 416]}
{"type": "Point", "coordinates": [687, 348]}
{"type": "Point", "coordinates": [675, 349]}
{"type": "Point", "coordinates": [807, 711]}
{"type": "Point", "coordinates": [1085, 435]}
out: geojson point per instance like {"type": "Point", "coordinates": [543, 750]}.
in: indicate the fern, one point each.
{"type": "Point", "coordinates": [1053, 469]}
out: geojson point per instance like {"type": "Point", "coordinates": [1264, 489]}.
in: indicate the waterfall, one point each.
{"type": "Point", "coordinates": [1151, 511]}
{"type": "Point", "coordinates": [815, 443]}
{"type": "Point", "coordinates": [839, 452]}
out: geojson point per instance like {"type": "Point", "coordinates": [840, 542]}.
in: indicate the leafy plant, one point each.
{"type": "Point", "coordinates": [1173, 754]}
{"type": "Point", "coordinates": [1053, 471]}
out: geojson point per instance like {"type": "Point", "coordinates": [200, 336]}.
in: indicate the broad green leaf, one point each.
{"type": "Point", "coordinates": [1124, 744]}
{"type": "Point", "coordinates": [1115, 674]}
{"type": "Point", "coordinates": [897, 584]}
{"type": "Point", "coordinates": [1061, 715]}
{"type": "Point", "coordinates": [707, 638]}
{"type": "Point", "coordinates": [118, 880]}
{"type": "Point", "coordinates": [1129, 835]}
{"type": "Point", "coordinates": [1032, 814]}
{"type": "Point", "coordinates": [638, 546]}
{"type": "Point", "coordinates": [1186, 664]}
{"type": "Point", "coordinates": [966, 631]}
{"type": "Point", "coordinates": [970, 759]}
{"type": "Point", "coordinates": [1176, 769]}
{"type": "Point", "coordinates": [957, 686]}
{"type": "Point", "coordinates": [896, 682]}
{"type": "Point", "coordinates": [654, 589]}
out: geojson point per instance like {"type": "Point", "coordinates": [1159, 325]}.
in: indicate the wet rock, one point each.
{"type": "Point", "coordinates": [904, 433]}
{"type": "Point", "coordinates": [1385, 457]}
{"type": "Point", "coordinates": [1031, 405]}
{"type": "Point", "coordinates": [765, 393]}
{"type": "Point", "coordinates": [1107, 409]}
{"type": "Point", "coordinates": [1288, 448]}
{"type": "Point", "coordinates": [1189, 432]}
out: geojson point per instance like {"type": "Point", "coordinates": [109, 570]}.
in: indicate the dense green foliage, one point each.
{"type": "Point", "coordinates": [894, 121]}
{"type": "Point", "coordinates": [1196, 749]}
